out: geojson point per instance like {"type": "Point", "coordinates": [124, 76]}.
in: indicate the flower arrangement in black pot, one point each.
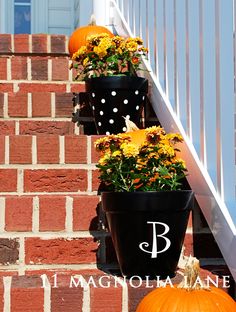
{"type": "Point", "coordinates": [109, 67]}
{"type": "Point", "coordinates": [146, 207]}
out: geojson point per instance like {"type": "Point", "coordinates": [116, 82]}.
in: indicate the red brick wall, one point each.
{"type": "Point", "coordinates": [48, 192]}
{"type": "Point", "coordinates": [47, 186]}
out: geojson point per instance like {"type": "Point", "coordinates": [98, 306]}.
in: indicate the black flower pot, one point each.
{"type": "Point", "coordinates": [113, 98]}
{"type": "Point", "coordinates": [148, 230]}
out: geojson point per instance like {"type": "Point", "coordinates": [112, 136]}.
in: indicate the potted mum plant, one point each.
{"type": "Point", "coordinates": [146, 207]}
{"type": "Point", "coordinates": [108, 65]}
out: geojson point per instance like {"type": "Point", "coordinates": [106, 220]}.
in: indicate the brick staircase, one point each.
{"type": "Point", "coordinates": [51, 223]}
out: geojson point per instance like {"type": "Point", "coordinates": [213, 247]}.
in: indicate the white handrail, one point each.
{"type": "Point", "coordinates": [192, 76]}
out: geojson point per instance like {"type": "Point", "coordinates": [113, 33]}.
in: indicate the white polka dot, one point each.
{"type": "Point", "coordinates": [115, 109]}
{"type": "Point", "coordinates": [143, 97]}
{"type": "Point", "coordinates": [103, 100]}
{"type": "Point", "coordinates": [99, 123]}
{"type": "Point", "coordinates": [93, 94]}
{"type": "Point", "coordinates": [111, 121]}
{"type": "Point", "coordinates": [93, 107]}
{"type": "Point", "coordinates": [137, 107]}
{"type": "Point", "coordinates": [124, 129]}
{"type": "Point", "coordinates": [127, 116]}
{"type": "Point", "coordinates": [136, 92]}
{"type": "Point", "coordinates": [107, 133]}
{"type": "Point", "coordinates": [125, 101]}
{"type": "Point", "coordinates": [101, 113]}
{"type": "Point", "coordinates": [113, 93]}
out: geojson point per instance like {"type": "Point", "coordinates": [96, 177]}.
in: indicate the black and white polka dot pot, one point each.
{"type": "Point", "coordinates": [113, 98]}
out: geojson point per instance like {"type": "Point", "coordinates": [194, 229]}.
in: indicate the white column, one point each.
{"type": "Point", "coordinates": [101, 11]}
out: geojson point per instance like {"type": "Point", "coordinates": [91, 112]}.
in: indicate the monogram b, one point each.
{"type": "Point", "coordinates": [154, 252]}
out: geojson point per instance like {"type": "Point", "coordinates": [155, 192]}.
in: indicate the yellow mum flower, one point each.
{"type": "Point", "coordinates": [179, 161]}
{"type": "Point", "coordinates": [105, 43]}
{"type": "Point", "coordinates": [141, 164]}
{"type": "Point", "coordinates": [167, 150]}
{"type": "Point", "coordinates": [123, 46]}
{"type": "Point", "coordinates": [132, 46]}
{"type": "Point", "coordinates": [130, 149]}
{"type": "Point", "coordinates": [116, 154]}
{"type": "Point", "coordinates": [154, 134]}
{"type": "Point", "coordinates": [95, 39]}
{"type": "Point", "coordinates": [153, 155]}
{"type": "Point", "coordinates": [101, 144]}
{"type": "Point", "coordinates": [138, 40]}
{"type": "Point", "coordinates": [117, 39]}
{"type": "Point", "coordinates": [81, 51]}
{"type": "Point", "coordinates": [100, 51]}
{"type": "Point", "coordinates": [155, 129]}
{"type": "Point", "coordinates": [103, 160]}
{"type": "Point", "coordinates": [164, 141]}
{"type": "Point", "coordinates": [119, 51]}
{"type": "Point", "coordinates": [175, 137]}
{"type": "Point", "coordinates": [166, 162]}
{"type": "Point", "coordinates": [85, 61]}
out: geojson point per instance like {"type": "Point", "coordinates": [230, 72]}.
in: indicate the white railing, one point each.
{"type": "Point", "coordinates": [191, 72]}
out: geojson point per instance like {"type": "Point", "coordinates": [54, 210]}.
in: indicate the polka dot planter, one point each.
{"type": "Point", "coordinates": [113, 98]}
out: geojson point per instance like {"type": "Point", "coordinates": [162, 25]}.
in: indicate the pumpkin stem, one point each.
{"type": "Point", "coordinates": [130, 125]}
{"type": "Point", "coordinates": [92, 20]}
{"type": "Point", "coordinates": [192, 280]}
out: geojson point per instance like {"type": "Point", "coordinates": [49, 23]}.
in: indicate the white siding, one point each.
{"type": "Point", "coordinates": [76, 9]}
{"type": "Point", "coordinates": [83, 12]}
{"type": "Point", "coordinates": [60, 16]}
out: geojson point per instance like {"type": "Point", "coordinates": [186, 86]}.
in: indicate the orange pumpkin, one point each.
{"type": "Point", "coordinates": [138, 136]}
{"type": "Point", "coordinates": [79, 36]}
{"type": "Point", "coordinates": [188, 296]}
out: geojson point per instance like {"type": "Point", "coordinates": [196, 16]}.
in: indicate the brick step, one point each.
{"type": "Point", "coordinates": [79, 290]}
{"type": "Point", "coordinates": [34, 57]}
{"type": "Point", "coordinates": [51, 163]}
{"type": "Point", "coordinates": [20, 180]}
{"type": "Point", "coordinates": [50, 230]}
{"type": "Point", "coordinates": [38, 127]}
{"type": "Point", "coordinates": [27, 86]}
{"type": "Point", "coordinates": [47, 148]}
{"type": "Point", "coordinates": [20, 252]}
{"type": "Point", "coordinates": [30, 67]}
{"type": "Point", "coordinates": [50, 213]}
{"type": "Point", "coordinates": [35, 44]}
{"type": "Point", "coordinates": [36, 105]}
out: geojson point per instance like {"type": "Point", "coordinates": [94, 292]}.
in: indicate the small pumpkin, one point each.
{"type": "Point", "coordinates": [79, 36]}
{"type": "Point", "coordinates": [190, 296]}
{"type": "Point", "coordinates": [138, 136]}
